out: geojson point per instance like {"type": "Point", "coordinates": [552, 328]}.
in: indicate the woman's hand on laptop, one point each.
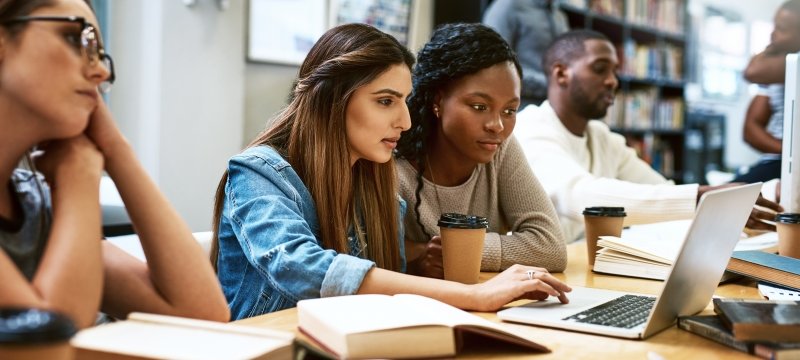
{"type": "Point", "coordinates": [516, 283]}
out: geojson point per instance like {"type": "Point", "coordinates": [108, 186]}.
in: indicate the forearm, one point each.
{"type": "Point", "coordinates": [380, 281]}
{"type": "Point", "coordinates": [180, 272]}
{"type": "Point", "coordinates": [69, 277]}
{"type": "Point", "coordinates": [766, 68]}
{"type": "Point", "coordinates": [15, 290]}
{"type": "Point", "coordinates": [761, 140]}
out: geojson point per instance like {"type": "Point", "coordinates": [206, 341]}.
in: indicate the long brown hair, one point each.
{"type": "Point", "coordinates": [310, 134]}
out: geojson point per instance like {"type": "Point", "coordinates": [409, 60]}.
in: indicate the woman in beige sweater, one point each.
{"type": "Point", "coordinates": [459, 155]}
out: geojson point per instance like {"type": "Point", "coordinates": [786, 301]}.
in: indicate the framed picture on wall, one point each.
{"type": "Point", "coordinates": [283, 31]}
{"type": "Point", "coordinates": [390, 16]}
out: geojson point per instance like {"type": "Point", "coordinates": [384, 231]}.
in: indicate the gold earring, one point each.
{"type": "Point", "coordinates": [436, 111]}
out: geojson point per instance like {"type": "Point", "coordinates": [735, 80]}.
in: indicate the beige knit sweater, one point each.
{"type": "Point", "coordinates": [523, 225]}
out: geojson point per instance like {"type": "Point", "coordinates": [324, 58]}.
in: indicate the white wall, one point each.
{"type": "Point", "coordinates": [737, 152]}
{"type": "Point", "coordinates": [267, 86]}
{"type": "Point", "coordinates": [179, 94]}
{"type": "Point", "coordinates": [186, 98]}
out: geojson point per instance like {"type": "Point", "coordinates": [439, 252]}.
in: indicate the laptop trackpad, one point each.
{"type": "Point", "coordinates": [580, 299]}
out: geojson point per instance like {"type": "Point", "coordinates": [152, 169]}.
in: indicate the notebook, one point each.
{"type": "Point", "coordinates": [720, 217]}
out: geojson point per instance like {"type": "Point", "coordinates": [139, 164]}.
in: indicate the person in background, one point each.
{"type": "Point", "coordinates": [459, 155]}
{"type": "Point", "coordinates": [284, 231]}
{"type": "Point", "coordinates": [763, 125]}
{"type": "Point", "coordinates": [51, 253]}
{"type": "Point", "coordinates": [529, 26]}
{"type": "Point", "coordinates": [581, 162]}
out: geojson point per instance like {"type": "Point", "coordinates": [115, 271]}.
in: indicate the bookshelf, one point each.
{"type": "Point", "coordinates": [651, 40]}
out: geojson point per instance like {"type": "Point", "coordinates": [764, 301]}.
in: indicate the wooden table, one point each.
{"type": "Point", "coordinates": [671, 343]}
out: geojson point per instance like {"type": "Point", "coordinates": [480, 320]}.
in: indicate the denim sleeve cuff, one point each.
{"type": "Point", "coordinates": [345, 275]}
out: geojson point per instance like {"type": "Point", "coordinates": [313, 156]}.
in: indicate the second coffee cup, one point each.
{"type": "Point", "coordinates": [462, 246]}
{"type": "Point", "coordinates": [788, 225]}
{"type": "Point", "coordinates": [601, 221]}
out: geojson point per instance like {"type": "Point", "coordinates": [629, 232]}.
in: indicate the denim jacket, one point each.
{"type": "Point", "coordinates": [269, 253]}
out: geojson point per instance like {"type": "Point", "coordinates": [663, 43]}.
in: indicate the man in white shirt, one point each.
{"type": "Point", "coordinates": [579, 161]}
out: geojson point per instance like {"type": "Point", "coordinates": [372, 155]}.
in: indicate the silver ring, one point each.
{"type": "Point", "coordinates": [531, 273]}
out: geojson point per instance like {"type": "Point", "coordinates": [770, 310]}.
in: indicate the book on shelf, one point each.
{"type": "Point", "coordinates": [760, 320]}
{"type": "Point", "coordinates": [150, 336]}
{"type": "Point", "coordinates": [767, 267]}
{"type": "Point", "coordinates": [399, 326]}
{"type": "Point", "coordinates": [711, 327]}
{"type": "Point", "coordinates": [662, 14]}
{"type": "Point", "coordinates": [648, 251]}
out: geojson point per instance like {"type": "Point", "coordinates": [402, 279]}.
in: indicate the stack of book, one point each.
{"type": "Point", "coordinates": [769, 329]}
{"type": "Point", "coordinates": [771, 268]}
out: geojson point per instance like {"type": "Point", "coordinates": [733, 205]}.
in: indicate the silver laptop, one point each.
{"type": "Point", "coordinates": [718, 222]}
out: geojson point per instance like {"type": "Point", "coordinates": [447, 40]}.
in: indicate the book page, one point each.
{"type": "Point", "coordinates": [364, 313]}
{"type": "Point", "coordinates": [166, 341]}
{"type": "Point", "coordinates": [650, 248]}
{"type": "Point", "coordinates": [767, 241]}
{"type": "Point", "coordinates": [661, 242]}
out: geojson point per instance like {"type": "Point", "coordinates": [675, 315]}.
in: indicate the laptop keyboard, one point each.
{"type": "Point", "coordinates": [626, 312]}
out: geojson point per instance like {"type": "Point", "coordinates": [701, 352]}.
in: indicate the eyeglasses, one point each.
{"type": "Point", "coordinates": [90, 45]}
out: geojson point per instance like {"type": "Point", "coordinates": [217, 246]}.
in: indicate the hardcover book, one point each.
{"type": "Point", "coordinates": [760, 320]}
{"type": "Point", "coordinates": [399, 326]}
{"type": "Point", "coordinates": [149, 336]}
{"type": "Point", "coordinates": [772, 268]}
{"type": "Point", "coordinates": [712, 328]}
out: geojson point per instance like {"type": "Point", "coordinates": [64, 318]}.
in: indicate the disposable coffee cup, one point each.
{"type": "Point", "coordinates": [462, 246]}
{"type": "Point", "coordinates": [788, 225]}
{"type": "Point", "coordinates": [601, 221]}
{"type": "Point", "coordinates": [28, 334]}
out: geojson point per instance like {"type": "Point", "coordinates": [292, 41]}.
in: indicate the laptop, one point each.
{"type": "Point", "coordinates": [720, 217]}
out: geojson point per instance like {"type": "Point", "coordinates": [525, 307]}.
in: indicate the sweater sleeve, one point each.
{"type": "Point", "coordinates": [647, 196]}
{"type": "Point", "coordinates": [535, 238]}
{"type": "Point", "coordinates": [573, 187]}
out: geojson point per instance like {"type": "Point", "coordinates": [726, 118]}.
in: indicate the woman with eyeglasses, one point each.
{"type": "Point", "coordinates": [52, 68]}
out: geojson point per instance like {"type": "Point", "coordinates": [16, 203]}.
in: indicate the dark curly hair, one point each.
{"type": "Point", "coordinates": [454, 51]}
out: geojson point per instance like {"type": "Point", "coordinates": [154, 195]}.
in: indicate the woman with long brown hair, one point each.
{"type": "Point", "coordinates": [310, 208]}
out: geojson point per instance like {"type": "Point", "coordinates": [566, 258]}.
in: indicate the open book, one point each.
{"type": "Point", "coordinates": [399, 326]}
{"type": "Point", "coordinates": [149, 336]}
{"type": "Point", "coordinates": [648, 251]}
